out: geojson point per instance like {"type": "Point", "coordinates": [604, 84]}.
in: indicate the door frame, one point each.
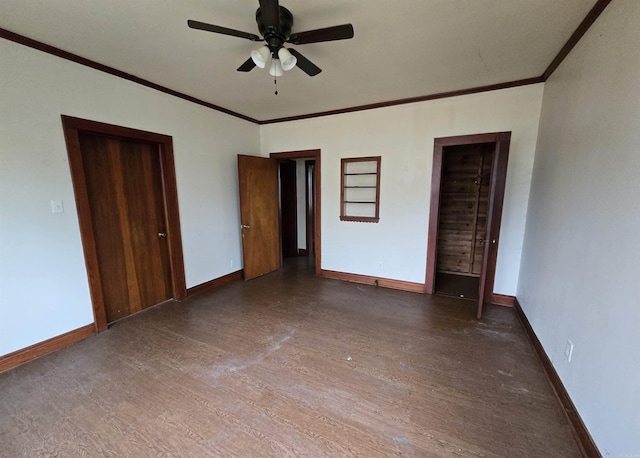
{"type": "Point", "coordinates": [494, 213]}
{"type": "Point", "coordinates": [72, 127]}
{"type": "Point", "coordinates": [315, 155]}
{"type": "Point", "coordinates": [309, 209]}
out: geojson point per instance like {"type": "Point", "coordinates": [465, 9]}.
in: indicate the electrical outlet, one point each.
{"type": "Point", "coordinates": [568, 350]}
{"type": "Point", "coordinates": [231, 263]}
{"type": "Point", "coordinates": [57, 206]}
{"type": "Point", "coordinates": [380, 265]}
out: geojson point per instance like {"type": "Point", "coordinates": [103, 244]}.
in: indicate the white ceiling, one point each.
{"type": "Point", "coordinates": [401, 49]}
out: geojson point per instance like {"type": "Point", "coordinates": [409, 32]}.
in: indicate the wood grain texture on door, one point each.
{"type": "Point", "coordinates": [259, 212]}
{"type": "Point", "coordinates": [124, 187]}
{"type": "Point", "coordinates": [464, 202]}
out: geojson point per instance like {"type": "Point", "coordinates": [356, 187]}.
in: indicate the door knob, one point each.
{"type": "Point", "coordinates": [162, 234]}
{"type": "Point", "coordinates": [245, 226]}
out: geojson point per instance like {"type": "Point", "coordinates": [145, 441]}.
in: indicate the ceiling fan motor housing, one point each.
{"type": "Point", "coordinates": [276, 38]}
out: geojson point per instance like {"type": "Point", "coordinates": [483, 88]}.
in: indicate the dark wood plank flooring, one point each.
{"type": "Point", "coordinates": [462, 286]}
{"type": "Point", "coordinates": [285, 365]}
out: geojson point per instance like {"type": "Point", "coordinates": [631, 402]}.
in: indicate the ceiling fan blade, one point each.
{"type": "Point", "coordinates": [223, 30]}
{"type": "Point", "coordinates": [270, 13]}
{"type": "Point", "coordinates": [337, 32]}
{"type": "Point", "coordinates": [247, 66]}
{"type": "Point", "coordinates": [305, 64]}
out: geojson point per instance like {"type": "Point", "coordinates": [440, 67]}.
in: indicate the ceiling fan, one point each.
{"type": "Point", "coordinates": [275, 23]}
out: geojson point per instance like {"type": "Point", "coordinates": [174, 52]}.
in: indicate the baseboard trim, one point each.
{"type": "Point", "coordinates": [215, 283]}
{"type": "Point", "coordinates": [503, 299]}
{"type": "Point", "coordinates": [368, 280]}
{"type": "Point", "coordinates": [580, 431]}
{"type": "Point", "coordinates": [45, 347]}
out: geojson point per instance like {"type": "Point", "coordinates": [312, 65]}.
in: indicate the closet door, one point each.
{"type": "Point", "coordinates": [124, 187]}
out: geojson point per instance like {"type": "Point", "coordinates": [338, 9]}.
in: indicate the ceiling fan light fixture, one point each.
{"type": "Point", "coordinates": [260, 56]}
{"type": "Point", "coordinates": [276, 68]}
{"type": "Point", "coordinates": [275, 24]}
{"type": "Point", "coordinates": [287, 60]}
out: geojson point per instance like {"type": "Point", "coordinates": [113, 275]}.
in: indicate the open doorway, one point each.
{"type": "Point", "coordinates": [467, 192]}
{"type": "Point", "coordinates": [288, 176]}
{"type": "Point", "coordinates": [299, 176]}
{"type": "Point", "coordinates": [260, 211]}
{"type": "Point", "coordinates": [464, 203]}
{"type": "Point", "coordinates": [297, 203]}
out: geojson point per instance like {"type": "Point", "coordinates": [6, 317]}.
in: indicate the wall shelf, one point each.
{"type": "Point", "coordinates": [360, 189]}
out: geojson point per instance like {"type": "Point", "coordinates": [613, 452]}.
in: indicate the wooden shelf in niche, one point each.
{"type": "Point", "coordinates": [360, 189]}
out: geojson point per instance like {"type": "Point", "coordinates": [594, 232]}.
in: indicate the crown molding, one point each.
{"type": "Point", "coordinates": [40, 46]}
{"type": "Point", "coordinates": [586, 23]}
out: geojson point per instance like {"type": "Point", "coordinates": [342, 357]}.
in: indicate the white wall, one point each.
{"type": "Point", "coordinates": [580, 276]}
{"type": "Point", "coordinates": [403, 135]}
{"type": "Point", "coordinates": [42, 272]}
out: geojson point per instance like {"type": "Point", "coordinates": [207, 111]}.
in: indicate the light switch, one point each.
{"type": "Point", "coordinates": [56, 206]}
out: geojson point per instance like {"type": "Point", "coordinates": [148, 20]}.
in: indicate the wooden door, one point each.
{"type": "Point", "coordinates": [258, 182]}
{"type": "Point", "coordinates": [125, 193]}
{"type": "Point", "coordinates": [288, 208]}
{"type": "Point", "coordinates": [494, 218]}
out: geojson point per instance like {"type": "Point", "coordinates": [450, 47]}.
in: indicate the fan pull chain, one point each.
{"type": "Point", "coordinates": [275, 81]}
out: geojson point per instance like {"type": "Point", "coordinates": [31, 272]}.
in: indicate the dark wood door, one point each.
{"type": "Point", "coordinates": [258, 182]}
{"type": "Point", "coordinates": [288, 208]}
{"type": "Point", "coordinates": [494, 217]}
{"type": "Point", "coordinates": [124, 187]}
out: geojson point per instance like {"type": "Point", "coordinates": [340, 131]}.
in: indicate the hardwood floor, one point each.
{"type": "Point", "coordinates": [289, 364]}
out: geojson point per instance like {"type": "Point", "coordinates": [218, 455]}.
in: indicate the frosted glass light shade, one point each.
{"type": "Point", "coordinates": [276, 68]}
{"type": "Point", "coordinates": [287, 60]}
{"type": "Point", "coordinates": [260, 56]}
